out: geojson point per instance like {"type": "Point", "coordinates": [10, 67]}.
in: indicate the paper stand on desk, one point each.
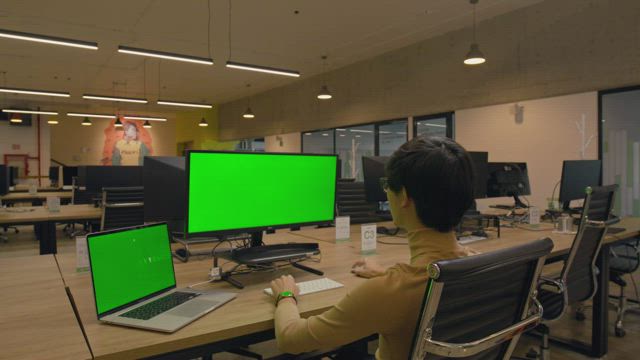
{"type": "Point", "coordinates": [53, 204]}
{"type": "Point", "coordinates": [343, 228]}
{"type": "Point", "coordinates": [368, 234]}
{"type": "Point", "coordinates": [82, 254]}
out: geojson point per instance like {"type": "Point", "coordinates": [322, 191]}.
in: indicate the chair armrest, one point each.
{"type": "Point", "coordinates": [123, 205]}
{"type": "Point", "coordinates": [601, 224]}
{"type": "Point", "coordinates": [456, 350]}
{"type": "Point", "coordinates": [551, 285]}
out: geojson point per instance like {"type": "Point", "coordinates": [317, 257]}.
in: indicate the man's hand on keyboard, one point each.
{"type": "Point", "coordinates": [367, 268]}
{"type": "Point", "coordinates": [284, 283]}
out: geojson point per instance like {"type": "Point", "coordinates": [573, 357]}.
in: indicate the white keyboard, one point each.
{"type": "Point", "coordinates": [312, 286]}
{"type": "Point", "coordinates": [470, 238]}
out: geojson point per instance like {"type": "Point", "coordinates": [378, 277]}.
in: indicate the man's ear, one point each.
{"type": "Point", "coordinates": [405, 200]}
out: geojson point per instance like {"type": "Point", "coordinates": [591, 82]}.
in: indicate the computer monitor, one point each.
{"type": "Point", "coordinates": [54, 172]}
{"type": "Point", "coordinates": [68, 173]}
{"type": "Point", "coordinates": [92, 179]}
{"type": "Point", "coordinates": [13, 175]}
{"type": "Point", "coordinates": [165, 191]}
{"type": "Point", "coordinates": [235, 192]}
{"type": "Point", "coordinates": [577, 175]}
{"type": "Point", "coordinates": [373, 170]}
{"type": "Point", "coordinates": [480, 161]}
{"type": "Point", "coordinates": [508, 179]}
{"type": "Point", "coordinates": [4, 179]}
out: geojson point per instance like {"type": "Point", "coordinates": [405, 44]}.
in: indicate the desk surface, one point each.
{"type": "Point", "coordinates": [252, 311]}
{"type": "Point", "coordinates": [17, 196]}
{"type": "Point", "coordinates": [36, 317]}
{"type": "Point", "coordinates": [33, 214]}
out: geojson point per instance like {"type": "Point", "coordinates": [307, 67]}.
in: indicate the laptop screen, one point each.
{"type": "Point", "coordinates": [129, 265]}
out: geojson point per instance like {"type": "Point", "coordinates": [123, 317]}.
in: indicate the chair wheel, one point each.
{"type": "Point", "coordinates": [620, 332]}
{"type": "Point", "coordinates": [580, 316]}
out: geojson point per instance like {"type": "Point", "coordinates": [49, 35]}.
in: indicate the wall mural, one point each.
{"type": "Point", "coordinates": [127, 145]}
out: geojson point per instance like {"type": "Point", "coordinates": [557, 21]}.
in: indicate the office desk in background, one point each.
{"type": "Point", "coordinates": [36, 317]}
{"type": "Point", "coordinates": [249, 318]}
{"type": "Point", "coordinates": [35, 199]}
{"type": "Point", "coordinates": [45, 221]}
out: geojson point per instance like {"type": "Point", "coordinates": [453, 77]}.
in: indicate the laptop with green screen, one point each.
{"type": "Point", "coordinates": [134, 281]}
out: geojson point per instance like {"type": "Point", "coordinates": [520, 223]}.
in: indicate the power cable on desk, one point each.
{"type": "Point", "coordinates": [393, 243]}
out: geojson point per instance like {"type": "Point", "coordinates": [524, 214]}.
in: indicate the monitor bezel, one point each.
{"type": "Point", "coordinates": [257, 228]}
{"type": "Point", "coordinates": [144, 298]}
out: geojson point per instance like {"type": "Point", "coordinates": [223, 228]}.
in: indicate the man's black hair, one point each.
{"type": "Point", "coordinates": [437, 174]}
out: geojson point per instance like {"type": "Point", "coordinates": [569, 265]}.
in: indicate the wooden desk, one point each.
{"type": "Point", "coordinates": [25, 188]}
{"type": "Point", "coordinates": [36, 317]}
{"type": "Point", "coordinates": [37, 199]}
{"type": "Point", "coordinates": [250, 315]}
{"type": "Point", "coordinates": [45, 221]}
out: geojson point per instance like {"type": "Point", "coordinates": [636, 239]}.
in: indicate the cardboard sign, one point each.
{"type": "Point", "coordinates": [343, 228]}
{"type": "Point", "coordinates": [369, 238]}
{"type": "Point", "coordinates": [82, 254]}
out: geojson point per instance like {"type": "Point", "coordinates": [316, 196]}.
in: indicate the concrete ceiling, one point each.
{"type": "Point", "coordinates": [267, 33]}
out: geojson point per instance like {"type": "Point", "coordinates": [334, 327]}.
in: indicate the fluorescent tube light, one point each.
{"type": "Point", "coordinates": [147, 118]}
{"type": "Point", "coordinates": [164, 55]}
{"type": "Point", "coordinates": [29, 112]}
{"type": "Point", "coordinates": [34, 92]}
{"type": "Point", "coordinates": [185, 104]}
{"type": "Point", "coordinates": [10, 34]}
{"type": "Point", "coordinates": [264, 69]}
{"type": "Point", "coordinates": [100, 116]}
{"type": "Point", "coordinates": [114, 98]}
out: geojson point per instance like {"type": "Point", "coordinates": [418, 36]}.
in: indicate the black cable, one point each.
{"type": "Point", "coordinates": [209, 27]}
{"type": "Point", "coordinates": [229, 30]}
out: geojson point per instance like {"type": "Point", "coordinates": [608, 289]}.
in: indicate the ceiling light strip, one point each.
{"type": "Point", "coordinates": [34, 92]}
{"type": "Point", "coordinates": [164, 55]}
{"type": "Point", "coordinates": [185, 104]}
{"type": "Point", "coordinates": [100, 116]}
{"type": "Point", "coordinates": [264, 69]}
{"type": "Point", "coordinates": [114, 98]}
{"type": "Point", "coordinates": [146, 118]}
{"type": "Point", "coordinates": [36, 112]}
{"type": "Point", "coordinates": [10, 34]}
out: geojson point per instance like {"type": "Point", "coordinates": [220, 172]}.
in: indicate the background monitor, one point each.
{"type": "Point", "coordinates": [13, 175]}
{"type": "Point", "coordinates": [373, 170]}
{"type": "Point", "coordinates": [480, 161]}
{"type": "Point", "coordinates": [68, 173]}
{"type": "Point", "coordinates": [54, 173]}
{"type": "Point", "coordinates": [4, 179]}
{"type": "Point", "coordinates": [508, 179]}
{"type": "Point", "coordinates": [165, 191]}
{"type": "Point", "coordinates": [233, 192]}
{"type": "Point", "coordinates": [91, 179]}
{"type": "Point", "coordinates": [576, 176]}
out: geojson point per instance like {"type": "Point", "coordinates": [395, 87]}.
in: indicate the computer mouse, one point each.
{"type": "Point", "coordinates": [357, 269]}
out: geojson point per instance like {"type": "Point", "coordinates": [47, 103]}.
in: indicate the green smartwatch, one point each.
{"type": "Point", "coordinates": [285, 294]}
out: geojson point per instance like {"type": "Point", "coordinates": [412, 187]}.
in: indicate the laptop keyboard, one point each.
{"type": "Point", "coordinates": [157, 307]}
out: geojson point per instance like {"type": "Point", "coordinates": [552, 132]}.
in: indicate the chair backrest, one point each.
{"type": "Point", "coordinates": [122, 207]}
{"type": "Point", "coordinates": [579, 271]}
{"type": "Point", "coordinates": [476, 307]}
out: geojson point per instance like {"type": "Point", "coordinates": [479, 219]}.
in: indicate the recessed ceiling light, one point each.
{"type": "Point", "coordinates": [10, 34]}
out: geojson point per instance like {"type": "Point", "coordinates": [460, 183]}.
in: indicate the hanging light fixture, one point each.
{"type": "Point", "coordinates": [203, 123]}
{"type": "Point", "coordinates": [248, 114]}
{"type": "Point", "coordinates": [146, 125]}
{"type": "Point", "coordinates": [474, 56]}
{"type": "Point", "coordinates": [86, 122]}
{"type": "Point", "coordinates": [52, 121]}
{"type": "Point", "coordinates": [16, 119]}
{"type": "Point", "coordinates": [324, 93]}
{"type": "Point", "coordinates": [118, 123]}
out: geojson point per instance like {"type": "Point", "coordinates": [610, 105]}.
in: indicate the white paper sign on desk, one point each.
{"type": "Point", "coordinates": [368, 237]}
{"type": "Point", "coordinates": [82, 254]}
{"type": "Point", "coordinates": [343, 228]}
{"type": "Point", "coordinates": [534, 215]}
{"type": "Point", "coordinates": [53, 204]}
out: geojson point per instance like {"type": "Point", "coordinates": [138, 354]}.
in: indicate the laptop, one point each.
{"type": "Point", "coordinates": [134, 282]}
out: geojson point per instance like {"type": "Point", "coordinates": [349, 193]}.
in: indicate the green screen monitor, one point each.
{"type": "Point", "coordinates": [233, 192]}
{"type": "Point", "coordinates": [129, 265]}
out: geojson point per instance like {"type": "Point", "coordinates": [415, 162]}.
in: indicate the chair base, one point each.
{"type": "Point", "coordinates": [623, 305]}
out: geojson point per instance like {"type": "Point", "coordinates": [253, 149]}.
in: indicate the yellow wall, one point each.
{"type": "Point", "coordinates": [204, 138]}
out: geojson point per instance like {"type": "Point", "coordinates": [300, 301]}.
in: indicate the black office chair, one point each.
{"type": "Point", "coordinates": [577, 280]}
{"type": "Point", "coordinates": [122, 207]}
{"type": "Point", "coordinates": [624, 259]}
{"type": "Point", "coordinates": [476, 307]}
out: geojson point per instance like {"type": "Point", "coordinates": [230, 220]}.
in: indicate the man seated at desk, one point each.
{"type": "Point", "coordinates": [429, 185]}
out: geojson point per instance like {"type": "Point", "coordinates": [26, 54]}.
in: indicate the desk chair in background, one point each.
{"type": "Point", "coordinates": [476, 307]}
{"type": "Point", "coordinates": [576, 282]}
{"type": "Point", "coordinates": [624, 259]}
{"type": "Point", "coordinates": [122, 207]}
